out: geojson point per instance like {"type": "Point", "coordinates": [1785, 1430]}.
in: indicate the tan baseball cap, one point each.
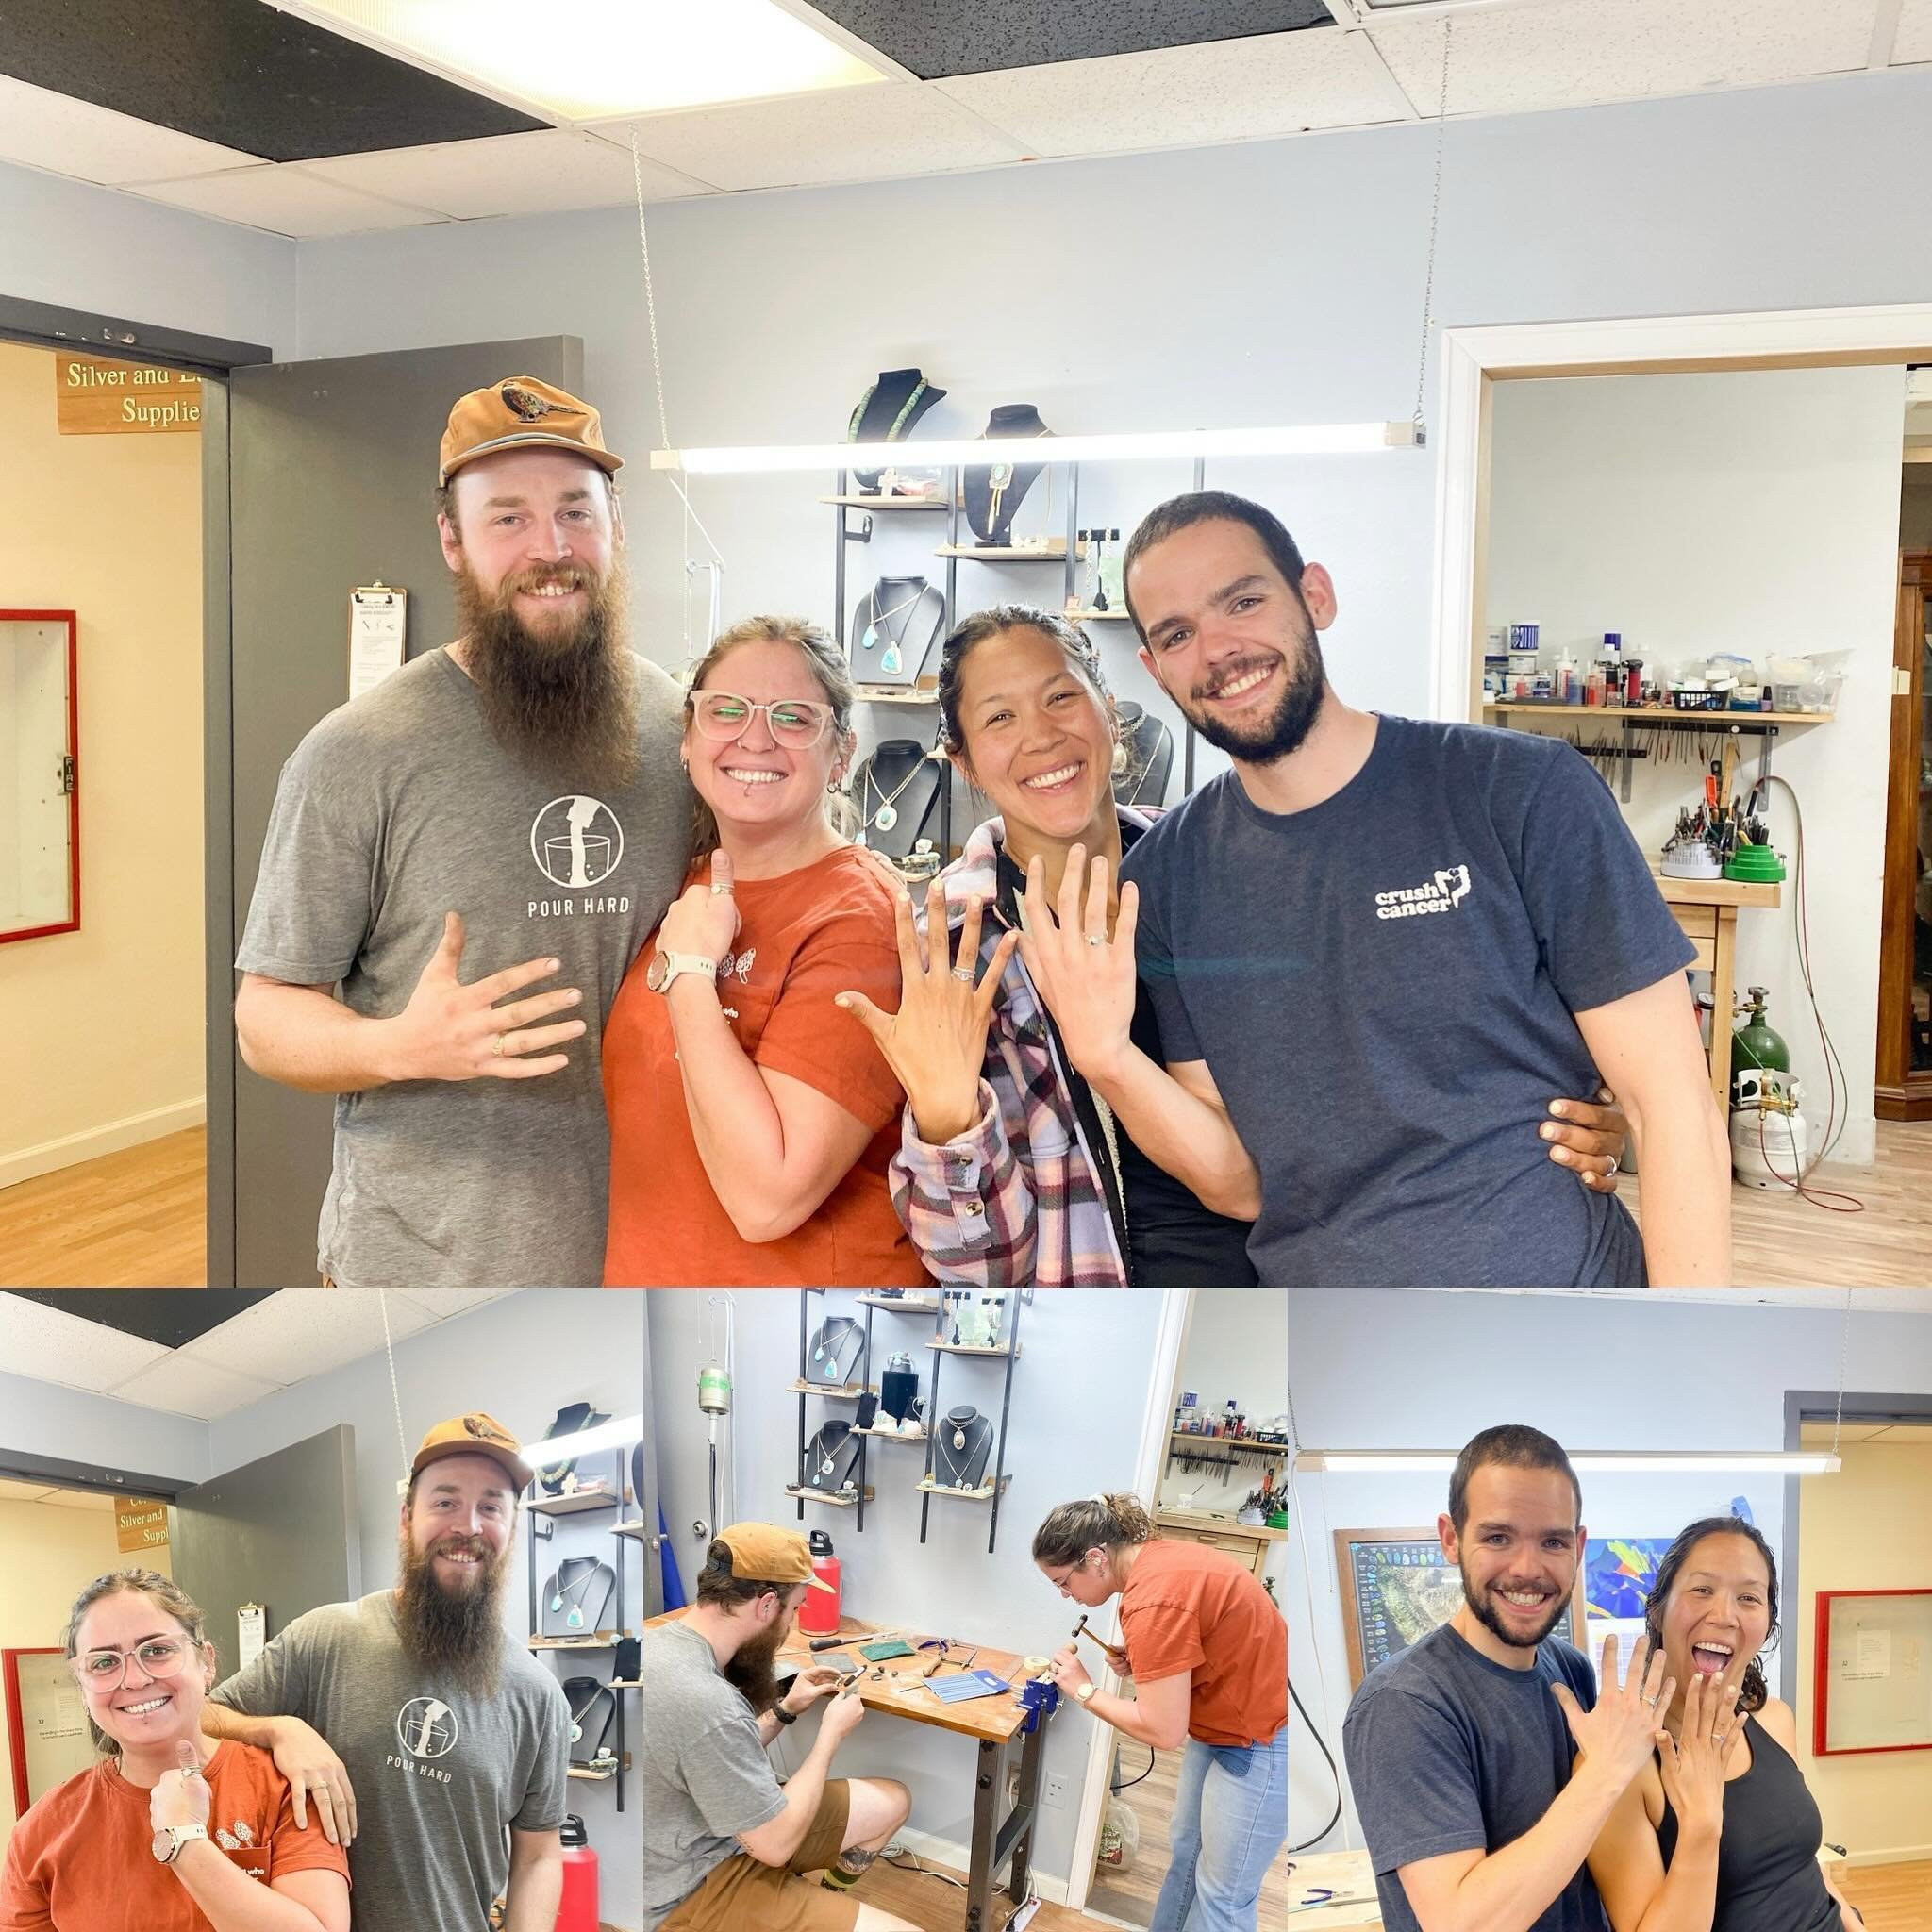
{"type": "Point", "coordinates": [517, 410]}
{"type": "Point", "coordinates": [761, 1553]}
{"type": "Point", "coordinates": [475, 1434]}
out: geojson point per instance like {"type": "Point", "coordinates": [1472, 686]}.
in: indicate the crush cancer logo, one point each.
{"type": "Point", "coordinates": [426, 1727]}
{"type": "Point", "coordinates": [576, 841]}
{"type": "Point", "coordinates": [1445, 892]}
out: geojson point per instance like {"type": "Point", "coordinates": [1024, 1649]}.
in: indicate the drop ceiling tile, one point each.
{"type": "Point", "coordinates": [509, 174]}
{"type": "Point", "coordinates": [286, 200]}
{"type": "Point", "coordinates": [183, 1386]}
{"type": "Point", "coordinates": [53, 1346]}
{"type": "Point", "coordinates": [42, 129]}
{"type": "Point", "coordinates": [11, 1492]}
{"type": "Point", "coordinates": [1914, 39]}
{"type": "Point", "coordinates": [439, 1304]}
{"type": "Point", "coordinates": [876, 133]}
{"type": "Point", "coordinates": [1183, 96]}
{"type": "Point", "coordinates": [302, 1332]}
{"type": "Point", "coordinates": [1571, 53]}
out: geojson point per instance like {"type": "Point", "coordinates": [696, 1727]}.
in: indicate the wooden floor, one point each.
{"type": "Point", "coordinates": [1779, 1241]}
{"type": "Point", "coordinates": [926, 1903]}
{"type": "Point", "coordinates": [1130, 1896]}
{"type": "Point", "coordinates": [137, 1219]}
{"type": "Point", "coordinates": [1893, 1898]}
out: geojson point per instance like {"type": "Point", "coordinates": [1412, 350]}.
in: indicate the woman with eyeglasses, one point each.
{"type": "Point", "coordinates": [752, 1125]}
{"type": "Point", "coordinates": [171, 1831]}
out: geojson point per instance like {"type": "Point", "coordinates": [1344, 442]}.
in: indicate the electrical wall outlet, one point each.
{"type": "Point", "coordinates": [1053, 1789]}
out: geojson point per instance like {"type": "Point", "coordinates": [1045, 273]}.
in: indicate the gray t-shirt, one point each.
{"type": "Point", "coordinates": [395, 810]}
{"type": "Point", "coordinates": [438, 1772]}
{"type": "Point", "coordinates": [1384, 987]}
{"type": "Point", "coordinates": [705, 1775]}
{"type": "Point", "coordinates": [1448, 1752]}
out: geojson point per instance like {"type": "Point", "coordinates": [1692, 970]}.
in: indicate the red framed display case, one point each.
{"type": "Point", "coordinates": [36, 762]}
{"type": "Point", "coordinates": [1911, 1708]}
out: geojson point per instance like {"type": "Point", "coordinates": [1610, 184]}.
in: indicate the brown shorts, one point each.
{"type": "Point", "coordinates": [743, 1895]}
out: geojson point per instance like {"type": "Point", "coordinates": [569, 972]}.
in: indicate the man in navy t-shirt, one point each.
{"type": "Point", "coordinates": [1378, 945]}
{"type": "Point", "coordinates": [1461, 1749]}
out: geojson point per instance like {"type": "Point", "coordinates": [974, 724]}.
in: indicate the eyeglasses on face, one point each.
{"type": "Point", "coordinates": [107, 1670]}
{"type": "Point", "coordinates": [799, 722]}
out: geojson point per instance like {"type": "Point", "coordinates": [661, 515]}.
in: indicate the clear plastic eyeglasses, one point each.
{"type": "Point", "coordinates": [799, 723]}
{"type": "Point", "coordinates": [159, 1656]}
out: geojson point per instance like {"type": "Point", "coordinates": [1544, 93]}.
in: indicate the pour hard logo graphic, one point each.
{"type": "Point", "coordinates": [426, 1727]}
{"type": "Point", "coordinates": [576, 841]}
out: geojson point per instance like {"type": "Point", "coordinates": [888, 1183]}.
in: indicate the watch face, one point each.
{"type": "Point", "coordinates": [163, 1846]}
{"type": "Point", "coordinates": [655, 972]}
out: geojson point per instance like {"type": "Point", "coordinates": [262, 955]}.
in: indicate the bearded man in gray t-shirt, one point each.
{"type": "Point", "coordinates": [414, 1724]}
{"type": "Point", "coordinates": [460, 866]}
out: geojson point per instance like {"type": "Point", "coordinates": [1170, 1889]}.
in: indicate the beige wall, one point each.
{"type": "Point", "coordinates": [1869, 1527]}
{"type": "Point", "coordinates": [104, 1024]}
{"type": "Point", "coordinates": [48, 1553]}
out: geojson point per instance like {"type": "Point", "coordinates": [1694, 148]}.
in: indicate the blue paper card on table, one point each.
{"type": "Point", "coordinates": [964, 1690]}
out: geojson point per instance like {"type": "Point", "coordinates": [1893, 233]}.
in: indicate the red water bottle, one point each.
{"type": "Point", "coordinates": [819, 1612]}
{"type": "Point", "coordinates": [578, 1911]}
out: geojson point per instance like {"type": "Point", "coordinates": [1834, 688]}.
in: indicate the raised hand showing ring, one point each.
{"type": "Point", "coordinates": [1088, 987]}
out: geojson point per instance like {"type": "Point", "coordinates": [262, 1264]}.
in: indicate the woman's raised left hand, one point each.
{"type": "Point", "coordinates": [702, 919]}
{"type": "Point", "coordinates": [180, 1796]}
{"type": "Point", "coordinates": [1085, 976]}
{"type": "Point", "coordinates": [1067, 1671]}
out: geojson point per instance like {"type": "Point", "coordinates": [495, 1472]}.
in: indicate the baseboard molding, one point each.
{"type": "Point", "coordinates": [1898, 1855]}
{"type": "Point", "coordinates": [29, 1163]}
{"type": "Point", "coordinates": [957, 1859]}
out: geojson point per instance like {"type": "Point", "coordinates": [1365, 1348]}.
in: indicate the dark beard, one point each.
{"type": "Point", "coordinates": [1487, 1617]}
{"type": "Point", "coordinates": [458, 1636]}
{"type": "Point", "coordinates": [752, 1670]}
{"type": "Point", "coordinates": [562, 699]}
{"type": "Point", "coordinates": [1270, 738]}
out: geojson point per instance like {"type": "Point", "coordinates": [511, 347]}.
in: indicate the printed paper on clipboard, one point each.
{"type": "Point", "coordinates": [378, 625]}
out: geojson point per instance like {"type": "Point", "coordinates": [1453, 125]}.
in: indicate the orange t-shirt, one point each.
{"type": "Point", "coordinates": [82, 1861]}
{"type": "Point", "coordinates": [1187, 1606]}
{"type": "Point", "coordinates": [803, 937]}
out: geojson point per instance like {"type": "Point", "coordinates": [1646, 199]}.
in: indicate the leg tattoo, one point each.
{"type": "Point", "coordinates": [849, 1869]}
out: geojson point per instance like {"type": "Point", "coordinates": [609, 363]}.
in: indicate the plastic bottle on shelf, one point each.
{"type": "Point", "coordinates": [1566, 688]}
{"type": "Point", "coordinates": [1594, 685]}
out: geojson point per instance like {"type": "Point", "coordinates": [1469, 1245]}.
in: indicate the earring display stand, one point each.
{"type": "Point", "coordinates": [541, 1514]}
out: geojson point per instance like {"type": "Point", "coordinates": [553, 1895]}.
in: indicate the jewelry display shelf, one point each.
{"type": "Point", "coordinates": [1007, 1352]}
{"type": "Point", "coordinates": [974, 553]}
{"type": "Point", "coordinates": [874, 694]}
{"type": "Point", "coordinates": [848, 1391]}
{"type": "Point", "coordinates": [1095, 616]}
{"type": "Point", "coordinates": [541, 1514]}
{"type": "Point", "coordinates": [899, 1304]}
{"type": "Point", "coordinates": [962, 1348]}
{"type": "Point", "coordinates": [802, 1495]}
{"type": "Point", "coordinates": [883, 502]}
{"type": "Point", "coordinates": [984, 1493]}
{"type": "Point", "coordinates": [893, 1436]}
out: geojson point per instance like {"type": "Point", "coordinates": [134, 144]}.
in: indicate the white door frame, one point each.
{"type": "Point", "coordinates": [1473, 358]}
{"type": "Point", "coordinates": [1150, 1458]}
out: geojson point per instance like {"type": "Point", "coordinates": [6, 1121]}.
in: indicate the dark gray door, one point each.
{"type": "Point", "coordinates": [280, 1532]}
{"type": "Point", "coordinates": [332, 472]}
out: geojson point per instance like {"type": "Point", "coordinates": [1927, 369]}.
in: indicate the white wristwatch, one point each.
{"type": "Point", "coordinates": [1085, 1693]}
{"type": "Point", "coordinates": [665, 967]}
{"type": "Point", "coordinates": [169, 1839]}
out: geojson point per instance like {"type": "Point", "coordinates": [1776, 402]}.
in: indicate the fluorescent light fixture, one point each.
{"type": "Point", "coordinates": [1308, 440]}
{"type": "Point", "coordinates": [1609, 1461]}
{"type": "Point", "coordinates": [629, 1428]}
{"type": "Point", "coordinates": [607, 59]}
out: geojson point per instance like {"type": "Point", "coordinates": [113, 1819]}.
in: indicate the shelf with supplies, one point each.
{"type": "Point", "coordinates": [584, 1775]}
{"type": "Point", "coordinates": [1096, 616]}
{"type": "Point", "coordinates": [1650, 714]}
{"type": "Point", "coordinates": [984, 1493]}
{"type": "Point", "coordinates": [977, 553]}
{"type": "Point", "coordinates": [1195, 1438]}
{"type": "Point", "coordinates": [837, 1391]}
{"type": "Point", "coordinates": [885, 502]}
{"type": "Point", "coordinates": [594, 1639]}
{"type": "Point", "coordinates": [899, 1304]}
{"type": "Point", "coordinates": [639, 1530]}
{"type": "Point", "coordinates": [882, 694]}
{"type": "Point", "coordinates": [576, 1504]}
{"type": "Point", "coordinates": [894, 1435]}
{"type": "Point", "coordinates": [967, 1348]}
{"type": "Point", "coordinates": [832, 1498]}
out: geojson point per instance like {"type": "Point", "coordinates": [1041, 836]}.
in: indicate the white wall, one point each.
{"type": "Point", "coordinates": [97, 249]}
{"type": "Point", "coordinates": [521, 1358]}
{"type": "Point", "coordinates": [1080, 1394]}
{"type": "Point", "coordinates": [1410, 1369]}
{"type": "Point", "coordinates": [1753, 512]}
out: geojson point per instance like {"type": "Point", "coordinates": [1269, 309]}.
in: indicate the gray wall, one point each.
{"type": "Point", "coordinates": [1400, 1369]}
{"type": "Point", "coordinates": [71, 1425]}
{"type": "Point", "coordinates": [1080, 1391]}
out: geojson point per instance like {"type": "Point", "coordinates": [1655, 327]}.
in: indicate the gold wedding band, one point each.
{"type": "Point", "coordinates": [497, 1044]}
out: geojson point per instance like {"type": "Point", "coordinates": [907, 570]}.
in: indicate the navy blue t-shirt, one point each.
{"type": "Point", "coordinates": [1383, 986]}
{"type": "Point", "coordinates": [1448, 1752]}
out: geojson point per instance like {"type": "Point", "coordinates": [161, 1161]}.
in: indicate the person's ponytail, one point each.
{"type": "Point", "coordinates": [1099, 1522]}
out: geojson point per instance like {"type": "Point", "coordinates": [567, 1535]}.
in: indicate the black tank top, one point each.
{"type": "Point", "coordinates": [1767, 1862]}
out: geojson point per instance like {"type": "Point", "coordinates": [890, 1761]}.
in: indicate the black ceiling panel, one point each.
{"type": "Point", "coordinates": [239, 72]}
{"type": "Point", "coordinates": [171, 1316]}
{"type": "Point", "coordinates": [937, 38]}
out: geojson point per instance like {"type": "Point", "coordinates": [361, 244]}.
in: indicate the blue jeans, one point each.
{"type": "Point", "coordinates": [1230, 1818]}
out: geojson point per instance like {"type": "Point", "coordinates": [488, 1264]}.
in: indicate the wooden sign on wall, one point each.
{"type": "Point", "coordinates": [94, 397]}
{"type": "Point", "coordinates": [139, 1523]}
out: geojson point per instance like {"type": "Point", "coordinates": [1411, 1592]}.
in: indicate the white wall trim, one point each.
{"type": "Point", "coordinates": [957, 1861]}
{"type": "Point", "coordinates": [1897, 1854]}
{"type": "Point", "coordinates": [1469, 355]}
{"type": "Point", "coordinates": [49, 1156]}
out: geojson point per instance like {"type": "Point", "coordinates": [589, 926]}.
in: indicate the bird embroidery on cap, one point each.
{"type": "Point", "coordinates": [531, 407]}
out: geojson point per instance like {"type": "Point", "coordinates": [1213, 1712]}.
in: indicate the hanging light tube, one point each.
{"type": "Point", "coordinates": [1613, 1461]}
{"type": "Point", "coordinates": [1306, 439]}
{"type": "Point", "coordinates": [568, 1448]}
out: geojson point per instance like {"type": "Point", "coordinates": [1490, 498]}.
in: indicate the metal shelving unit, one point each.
{"type": "Point", "coordinates": [935, 1418]}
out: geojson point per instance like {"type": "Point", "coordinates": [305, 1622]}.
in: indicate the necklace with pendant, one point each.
{"type": "Point", "coordinates": [891, 662]}
{"type": "Point", "coordinates": [898, 421]}
{"type": "Point", "coordinates": [885, 818]}
{"type": "Point", "coordinates": [563, 1591]}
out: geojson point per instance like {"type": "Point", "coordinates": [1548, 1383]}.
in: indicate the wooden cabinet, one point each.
{"type": "Point", "coordinates": [1248, 1544]}
{"type": "Point", "coordinates": [1904, 970]}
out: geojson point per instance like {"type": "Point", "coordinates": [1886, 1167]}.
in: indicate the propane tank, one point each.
{"type": "Point", "coordinates": [819, 1612]}
{"type": "Point", "coordinates": [1771, 1145]}
{"type": "Point", "coordinates": [578, 1911]}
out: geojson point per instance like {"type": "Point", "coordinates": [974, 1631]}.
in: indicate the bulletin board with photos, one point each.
{"type": "Point", "coordinates": [1396, 1587]}
{"type": "Point", "coordinates": [1873, 1672]}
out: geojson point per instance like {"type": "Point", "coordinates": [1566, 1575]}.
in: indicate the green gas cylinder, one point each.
{"type": "Point", "coordinates": [1755, 1043]}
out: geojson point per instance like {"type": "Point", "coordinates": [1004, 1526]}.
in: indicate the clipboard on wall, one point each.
{"type": "Point", "coordinates": [379, 634]}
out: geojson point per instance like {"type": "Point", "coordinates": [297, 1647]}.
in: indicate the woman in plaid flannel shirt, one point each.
{"type": "Point", "coordinates": [1012, 1170]}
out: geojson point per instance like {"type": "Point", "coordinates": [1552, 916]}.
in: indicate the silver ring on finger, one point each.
{"type": "Point", "coordinates": [718, 890]}
{"type": "Point", "coordinates": [963, 972]}
{"type": "Point", "coordinates": [1652, 1703]}
{"type": "Point", "coordinates": [1096, 938]}
{"type": "Point", "coordinates": [1615, 1166]}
